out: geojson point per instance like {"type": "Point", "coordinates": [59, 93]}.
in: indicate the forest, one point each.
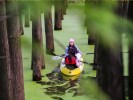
{"type": "Point", "coordinates": [66, 50]}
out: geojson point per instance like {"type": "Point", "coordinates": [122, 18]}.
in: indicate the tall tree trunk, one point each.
{"type": "Point", "coordinates": [27, 17]}
{"type": "Point", "coordinates": [20, 17]}
{"type": "Point", "coordinates": [5, 73]}
{"type": "Point", "coordinates": [125, 8]}
{"type": "Point", "coordinates": [49, 31]}
{"type": "Point", "coordinates": [91, 34]}
{"type": "Point", "coordinates": [95, 65]}
{"type": "Point", "coordinates": [65, 5]}
{"type": "Point", "coordinates": [62, 8]}
{"type": "Point", "coordinates": [37, 44]}
{"type": "Point", "coordinates": [91, 37]}
{"type": "Point", "coordinates": [130, 78]}
{"type": "Point", "coordinates": [110, 72]}
{"type": "Point", "coordinates": [13, 29]}
{"type": "Point", "coordinates": [21, 24]}
{"type": "Point", "coordinates": [110, 66]}
{"type": "Point", "coordinates": [125, 12]}
{"type": "Point", "coordinates": [85, 11]}
{"type": "Point", "coordinates": [58, 16]}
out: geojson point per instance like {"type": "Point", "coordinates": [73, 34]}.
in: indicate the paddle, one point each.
{"type": "Point", "coordinates": [63, 55]}
{"type": "Point", "coordinates": [58, 57]}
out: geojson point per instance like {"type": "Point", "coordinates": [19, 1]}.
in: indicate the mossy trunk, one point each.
{"type": "Point", "coordinates": [14, 37]}
{"type": "Point", "coordinates": [49, 31]}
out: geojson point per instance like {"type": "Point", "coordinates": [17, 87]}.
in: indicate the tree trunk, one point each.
{"type": "Point", "coordinates": [37, 45]}
{"type": "Point", "coordinates": [110, 66]}
{"type": "Point", "coordinates": [125, 8]}
{"type": "Point", "coordinates": [21, 24]}
{"type": "Point", "coordinates": [62, 9]}
{"type": "Point", "coordinates": [49, 31]}
{"type": "Point", "coordinates": [58, 16]}
{"type": "Point", "coordinates": [20, 7]}
{"type": "Point", "coordinates": [91, 37]}
{"type": "Point", "coordinates": [13, 29]}
{"type": "Point", "coordinates": [125, 12]}
{"type": "Point", "coordinates": [65, 5]}
{"type": "Point", "coordinates": [85, 11]}
{"type": "Point", "coordinates": [27, 17]}
{"type": "Point", "coordinates": [95, 65]}
{"type": "Point", "coordinates": [130, 78]}
{"type": "Point", "coordinates": [110, 72]}
{"type": "Point", "coordinates": [91, 33]}
{"type": "Point", "coordinates": [62, 15]}
{"type": "Point", "coordinates": [5, 72]}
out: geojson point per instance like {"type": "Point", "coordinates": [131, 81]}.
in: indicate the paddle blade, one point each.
{"type": "Point", "coordinates": [56, 57]}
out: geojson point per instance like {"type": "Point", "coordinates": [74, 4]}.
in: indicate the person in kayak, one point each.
{"type": "Point", "coordinates": [73, 52]}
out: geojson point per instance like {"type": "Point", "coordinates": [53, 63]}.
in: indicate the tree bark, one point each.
{"type": "Point", "coordinates": [130, 58]}
{"type": "Point", "coordinates": [58, 16]}
{"type": "Point", "coordinates": [27, 17]}
{"type": "Point", "coordinates": [125, 12]}
{"type": "Point", "coordinates": [13, 30]}
{"type": "Point", "coordinates": [65, 5]}
{"type": "Point", "coordinates": [130, 78]}
{"type": "Point", "coordinates": [49, 31]}
{"type": "Point", "coordinates": [5, 72]}
{"type": "Point", "coordinates": [125, 8]}
{"type": "Point", "coordinates": [95, 65]}
{"type": "Point", "coordinates": [91, 37]}
{"type": "Point", "coordinates": [21, 24]}
{"type": "Point", "coordinates": [91, 34]}
{"type": "Point", "coordinates": [110, 66]}
{"type": "Point", "coordinates": [110, 72]}
{"type": "Point", "coordinates": [20, 7]}
{"type": "Point", "coordinates": [62, 9]}
{"type": "Point", "coordinates": [37, 45]}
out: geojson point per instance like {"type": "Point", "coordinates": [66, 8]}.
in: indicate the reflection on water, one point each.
{"type": "Point", "coordinates": [58, 86]}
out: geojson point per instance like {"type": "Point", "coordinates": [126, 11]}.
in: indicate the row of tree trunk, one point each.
{"type": "Point", "coordinates": [11, 29]}
{"type": "Point", "coordinates": [109, 61]}
{"type": "Point", "coordinates": [11, 70]}
{"type": "Point", "coordinates": [37, 43]}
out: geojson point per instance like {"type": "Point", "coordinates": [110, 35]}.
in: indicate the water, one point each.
{"type": "Point", "coordinates": [57, 86]}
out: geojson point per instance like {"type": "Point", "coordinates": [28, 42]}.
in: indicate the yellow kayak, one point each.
{"type": "Point", "coordinates": [71, 73]}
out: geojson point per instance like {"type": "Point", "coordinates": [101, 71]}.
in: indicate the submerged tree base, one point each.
{"type": "Point", "coordinates": [57, 28]}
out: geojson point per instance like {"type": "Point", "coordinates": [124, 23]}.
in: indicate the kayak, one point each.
{"type": "Point", "coordinates": [71, 72]}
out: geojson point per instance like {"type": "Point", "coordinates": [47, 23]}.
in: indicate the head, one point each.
{"type": "Point", "coordinates": [71, 42]}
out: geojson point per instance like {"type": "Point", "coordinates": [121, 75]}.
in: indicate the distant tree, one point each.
{"type": "Point", "coordinates": [14, 37]}
{"type": "Point", "coordinates": [95, 64]}
{"type": "Point", "coordinates": [21, 24]}
{"type": "Point", "coordinates": [37, 43]}
{"type": "Point", "coordinates": [58, 15]}
{"type": "Point", "coordinates": [125, 8]}
{"type": "Point", "coordinates": [65, 6]}
{"type": "Point", "coordinates": [49, 30]}
{"type": "Point", "coordinates": [91, 33]}
{"type": "Point", "coordinates": [27, 15]}
{"type": "Point", "coordinates": [5, 72]}
{"type": "Point", "coordinates": [130, 58]}
{"type": "Point", "coordinates": [20, 7]}
{"type": "Point", "coordinates": [62, 9]}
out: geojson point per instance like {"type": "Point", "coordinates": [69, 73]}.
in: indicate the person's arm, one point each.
{"type": "Point", "coordinates": [66, 53]}
{"type": "Point", "coordinates": [79, 50]}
